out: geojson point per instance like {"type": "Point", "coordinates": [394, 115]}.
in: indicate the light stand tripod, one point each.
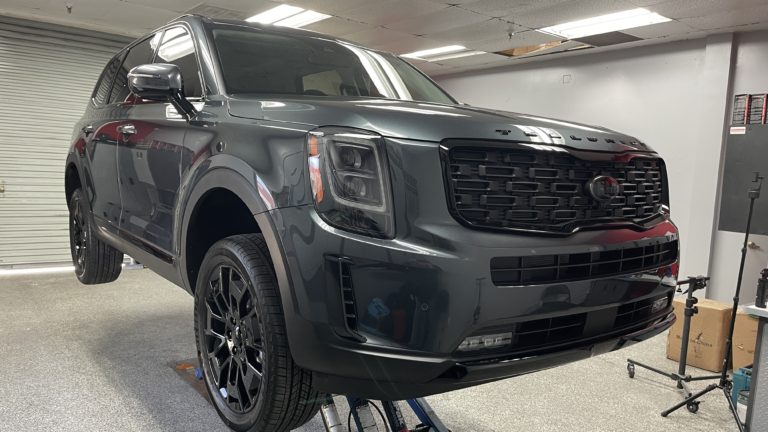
{"type": "Point", "coordinates": [694, 283]}
{"type": "Point", "coordinates": [725, 384]}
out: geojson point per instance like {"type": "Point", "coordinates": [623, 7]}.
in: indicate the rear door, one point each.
{"type": "Point", "coordinates": [99, 133]}
{"type": "Point", "coordinates": [150, 152]}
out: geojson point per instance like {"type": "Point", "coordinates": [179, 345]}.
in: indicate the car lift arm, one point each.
{"type": "Point", "coordinates": [360, 411]}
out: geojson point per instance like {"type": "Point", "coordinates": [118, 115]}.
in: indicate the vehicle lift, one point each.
{"type": "Point", "coordinates": [360, 412]}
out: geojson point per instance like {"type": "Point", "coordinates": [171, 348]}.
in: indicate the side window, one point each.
{"type": "Point", "coordinates": [178, 48]}
{"type": "Point", "coordinates": [101, 92]}
{"type": "Point", "coordinates": [138, 55]}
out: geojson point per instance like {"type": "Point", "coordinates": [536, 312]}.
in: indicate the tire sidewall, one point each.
{"type": "Point", "coordinates": [75, 202]}
{"type": "Point", "coordinates": [222, 253]}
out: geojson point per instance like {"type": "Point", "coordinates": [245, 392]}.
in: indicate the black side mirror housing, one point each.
{"type": "Point", "coordinates": [161, 82]}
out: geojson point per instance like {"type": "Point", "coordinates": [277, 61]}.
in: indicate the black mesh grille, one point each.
{"type": "Point", "coordinates": [347, 295]}
{"type": "Point", "coordinates": [540, 269]}
{"type": "Point", "coordinates": [567, 329]}
{"type": "Point", "coordinates": [509, 188]}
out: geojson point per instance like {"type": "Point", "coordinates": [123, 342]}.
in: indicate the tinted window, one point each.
{"type": "Point", "coordinates": [257, 62]}
{"type": "Point", "coordinates": [138, 55]}
{"type": "Point", "coordinates": [177, 48]}
{"type": "Point", "coordinates": [101, 92]}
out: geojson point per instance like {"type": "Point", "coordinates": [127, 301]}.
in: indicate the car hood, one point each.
{"type": "Point", "coordinates": [433, 122]}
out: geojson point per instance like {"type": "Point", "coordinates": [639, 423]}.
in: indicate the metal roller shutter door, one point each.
{"type": "Point", "coordinates": [47, 74]}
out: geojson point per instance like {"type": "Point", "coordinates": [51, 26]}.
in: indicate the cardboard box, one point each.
{"type": "Point", "coordinates": [706, 346]}
{"type": "Point", "coordinates": [744, 340]}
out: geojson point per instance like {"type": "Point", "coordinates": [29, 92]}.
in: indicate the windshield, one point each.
{"type": "Point", "coordinates": [255, 61]}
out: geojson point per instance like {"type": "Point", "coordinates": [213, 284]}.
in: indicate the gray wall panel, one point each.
{"type": "Point", "coordinates": [51, 71]}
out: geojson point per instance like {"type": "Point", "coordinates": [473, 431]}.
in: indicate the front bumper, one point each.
{"type": "Point", "coordinates": [417, 297]}
{"type": "Point", "coordinates": [460, 375]}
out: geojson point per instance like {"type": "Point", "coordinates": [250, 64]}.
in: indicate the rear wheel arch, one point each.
{"type": "Point", "coordinates": [72, 180]}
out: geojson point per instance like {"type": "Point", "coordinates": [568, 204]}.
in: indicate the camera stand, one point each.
{"type": "Point", "coordinates": [680, 377]}
{"type": "Point", "coordinates": [725, 384]}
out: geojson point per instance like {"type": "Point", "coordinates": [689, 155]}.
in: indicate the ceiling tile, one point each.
{"type": "Point", "coordinates": [730, 20]}
{"type": "Point", "coordinates": [519, 39]}
{"type": "Point", "coordinates": [140, 17]}
{"type": "Point", "coordinates": [247, 7]}
{"type": "Point", "coordinates": [333, 7]}
{"type": "Point", "coordinates": [386, 12]}
{"type": "Point", "coordinates": [660, 30]}
{"type": "Point", "coordinates": [172, 5]}
{"type": "Point", "coordinates": [432, 68]}
{"type": "Point", "coordinates": [481, 59]}
{"type": "Point", "coordinates": [644, 3]}
{"type": "Point", "coordinates": [501, 8]}
{"type": "Point", "coordinates": [568, 11]}
{"type": "Point", "coordinates": [338, 26]}
{"type": "Point", "coordinates": [491, 28]}
{"type": "Point", "coordinates": [453, 2]}
{"type": "Point", "coordinates": [444, 19]}
{"type": "Point", "coordinates": [389, 40]}
{"type": "Point", "coordinates": [678, 9]}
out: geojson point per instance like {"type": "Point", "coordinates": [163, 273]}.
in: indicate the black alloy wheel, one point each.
{"type": "Point", "coordinates": [233, 342]}
{"type": "Point", "coordinates": [79, 235]}
{"type": "Point", "coordinates": [241, 339]}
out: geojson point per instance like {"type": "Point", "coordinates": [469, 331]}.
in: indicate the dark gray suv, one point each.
{"type": "Point", "coordinates": [346, 226]}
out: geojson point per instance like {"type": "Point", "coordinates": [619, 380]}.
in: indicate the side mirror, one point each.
{"type": "Point", "coordinates": [160, 82]}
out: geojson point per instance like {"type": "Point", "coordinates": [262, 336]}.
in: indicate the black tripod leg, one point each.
{"type": "Point", "coordinates": [690, 399]}
{"type": "Point", "coordinates": [671, 376]}
{"type": "Point", "coordinates": [733, 410]}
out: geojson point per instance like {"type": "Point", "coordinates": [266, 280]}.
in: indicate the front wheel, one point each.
{"type": "Point", "coordinates": [241, 341]}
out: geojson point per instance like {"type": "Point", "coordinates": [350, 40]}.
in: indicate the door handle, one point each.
{"type": "Point", "coordinates": [87, 130]}
{"type": "Point", "coordinates": [127, 129]}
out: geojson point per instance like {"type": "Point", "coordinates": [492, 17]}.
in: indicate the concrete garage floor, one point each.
{"type": "Point", "coordinates": [97, 358]}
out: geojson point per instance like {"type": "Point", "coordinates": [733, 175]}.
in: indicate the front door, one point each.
{"type": "Point", "coordinates": [149, 163]}
{"type": "Point", "coordinates": [150, 150]}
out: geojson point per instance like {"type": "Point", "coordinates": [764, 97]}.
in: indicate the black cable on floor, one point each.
{"type": "Point", "coordinates": [381, 414]}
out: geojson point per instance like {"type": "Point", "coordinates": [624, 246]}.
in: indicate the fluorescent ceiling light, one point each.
{"type": "Point", "coordinates": [455, 55]}
{"type": "Point", "coordinates": [304, 18]}
{"type": "Point", "coordinates": [288, 16]}
{"type": "Point", "coordinates": [424, 54]}
{"type": "Point", "coordinates": [606, 23]}
{"type": "Point", "coordinates": [275, 14]}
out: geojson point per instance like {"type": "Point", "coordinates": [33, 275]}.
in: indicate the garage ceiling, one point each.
{"type": "Point", "coordinates": [403, 26]}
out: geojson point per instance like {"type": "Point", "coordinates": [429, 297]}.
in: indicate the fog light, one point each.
{"type": "Point", "coordinates": [659, 304]}
{"type": "Point", "coordinates": [473, 343]}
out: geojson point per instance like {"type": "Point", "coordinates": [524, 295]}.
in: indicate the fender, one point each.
{"type": "Point", "coordinates": [225, 171]}
{"type": "Point", "coordinates": [75, 159]}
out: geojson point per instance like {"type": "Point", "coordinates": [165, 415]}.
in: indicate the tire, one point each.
{"type": "Point", "coordinates": [240, 333]}
{"type": "Point", "coordinates": [95, 261]}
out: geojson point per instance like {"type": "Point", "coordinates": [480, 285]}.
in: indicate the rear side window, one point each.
{"type": "Point", "coordinates": [178, 48]}
{"type": "Point", "coordinates": [138, 55]}
{"type": "Point", "coordinates": [101, 92]}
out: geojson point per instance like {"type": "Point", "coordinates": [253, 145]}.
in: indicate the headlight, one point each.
{"type": "Point", "coordinates": [350, 180]}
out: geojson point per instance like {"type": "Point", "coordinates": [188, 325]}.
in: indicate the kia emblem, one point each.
{"type": "Point", "coordinates": [603, 188]}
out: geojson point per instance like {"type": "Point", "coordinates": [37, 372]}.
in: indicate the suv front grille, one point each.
{"type": "Point", "coordinates": [513, 188]}
{"type": "Point", "coordinates": [541, 269]}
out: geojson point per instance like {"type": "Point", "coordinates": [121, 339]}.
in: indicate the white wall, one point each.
{"type": "Point", "coordinates": [750, 76]}
{"type": "Point", "coordinates": [672, 96]}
